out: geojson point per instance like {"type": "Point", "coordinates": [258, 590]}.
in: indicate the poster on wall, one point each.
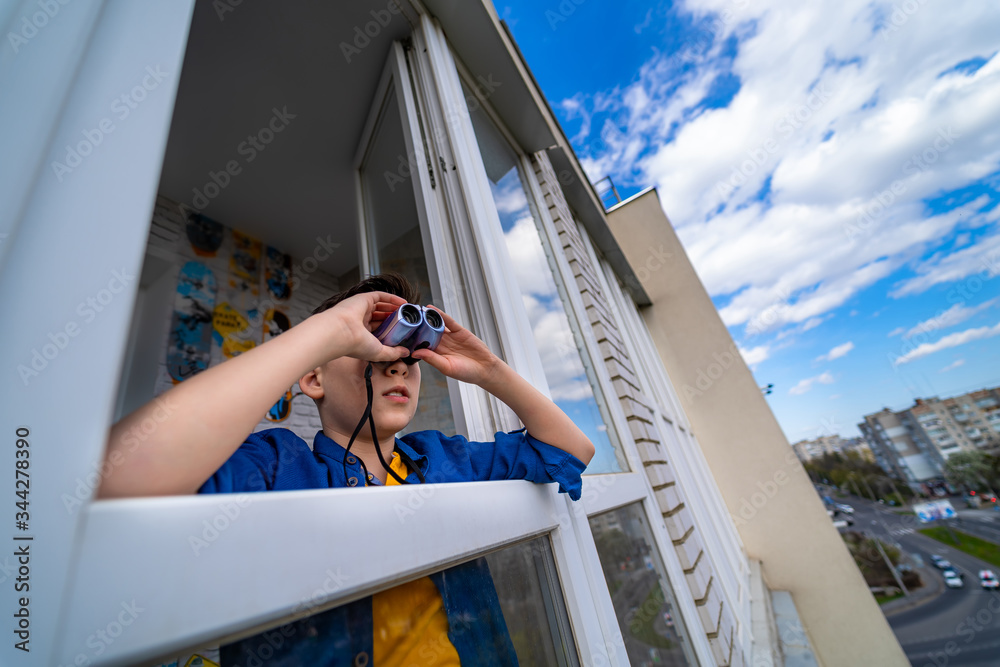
{"type": "Point", "coordinates": [278, 274]}
{"type": "Point", "coordinates": [204, 234]}
{"type": "Point", "coordinates": [276, 322]}
{"type": "Point", "coordinates": [190, 345]}
{"type": "Point", "coordinates": [232, 318]}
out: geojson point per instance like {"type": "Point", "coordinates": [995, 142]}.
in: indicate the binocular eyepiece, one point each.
{"type": "Point", "coordinates": [414, 327]}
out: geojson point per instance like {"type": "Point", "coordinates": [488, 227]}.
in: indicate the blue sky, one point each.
{"type": "Point", "coordinates": [832, 169]}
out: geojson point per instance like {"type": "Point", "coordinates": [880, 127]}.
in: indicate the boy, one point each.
{"type": "Point", "coordinates": [213, 450]}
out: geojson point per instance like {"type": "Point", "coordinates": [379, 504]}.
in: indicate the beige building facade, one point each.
{"type": "Point", "coordinates": [781, 521]}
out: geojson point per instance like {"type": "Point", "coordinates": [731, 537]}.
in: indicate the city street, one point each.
{"type": "Point", "coordinates": [954, 626]}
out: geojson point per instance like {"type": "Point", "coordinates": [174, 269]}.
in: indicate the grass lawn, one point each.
{"type": "Point", "coordinates": [641, 626]}
{"type": "Point", "coordinates": [971, 545]}
{"type": "Point", "coordinates": [882, 599]}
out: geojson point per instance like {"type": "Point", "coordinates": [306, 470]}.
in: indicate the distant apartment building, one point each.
{"type": "Point", "coordinates": [808, 450]}
{"type": "Point", "coordinates": [894, 447]}
{"type": "Point", "coordinates": [915, 443]}
{"type": "Point", "coordinates": [861, 447]}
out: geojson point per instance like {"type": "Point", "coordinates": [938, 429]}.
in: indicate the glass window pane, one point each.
{"type": "Point", "coordinates": [396, 245]}
{"type": "Point", "coordinates": [570, 379]}
{"type": "Point", "coordinates": [528, 586]}
{"type": "Point", "coordinates": [504, 609]}
{"type": "Point", "coordinates": [639, 588]}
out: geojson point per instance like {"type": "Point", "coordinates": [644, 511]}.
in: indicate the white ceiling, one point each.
{"type": "Point", "coordinates": [263, 56]}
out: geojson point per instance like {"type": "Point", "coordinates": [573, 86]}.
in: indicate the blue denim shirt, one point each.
{"type": "Point", "coordinates": [277, 459]}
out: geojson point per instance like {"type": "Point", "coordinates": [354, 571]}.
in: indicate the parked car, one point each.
{"type": "Point", "coordinates": [988, 580]}
{"type": "Point", "coordinates": [846, 509]}
{"type": "Point", "coordinates": [952, 580]}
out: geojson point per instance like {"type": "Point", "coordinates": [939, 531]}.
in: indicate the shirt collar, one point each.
{"type": "Point", "coordinates": [326, 446]}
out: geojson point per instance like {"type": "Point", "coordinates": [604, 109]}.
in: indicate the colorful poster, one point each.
{"type": "Point", "coordinates": [276, 322]}
{"type": "Point", "coordinates": [278, 274]}
{"type": "Point", "coordinates": [204, 234]}
{"type": "Point", "coordinates": [190, 346]}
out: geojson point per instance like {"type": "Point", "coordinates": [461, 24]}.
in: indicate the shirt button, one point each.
{"type": "Point", "coordinates": [352, 481]}
{"type": "Point", "coordinates": [351, 460]}
{"type": "Point", "coordinates": [361, 659]}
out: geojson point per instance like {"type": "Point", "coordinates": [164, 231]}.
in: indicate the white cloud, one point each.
{"type": "Point", "coordinates": [805, 385]}
{"type": "Point", "coordinates": [755, 355]}
{"type": "Point", "coordinates": [952, 365]}
{"type": "Point", "coordinates": [897, 331]}
{"type": "Point", "coordinates": [951, 340]}
{"type": "Point", "coordinates": [821, 85]}
{"type": "Point", "coordinates": [836, 352]}
{"type": "Point", "coordinates": [948, 318]}
{"type": "Point", "coordinates": [558, 349]}
{"type": "Point", "coordinates": [976, 263]}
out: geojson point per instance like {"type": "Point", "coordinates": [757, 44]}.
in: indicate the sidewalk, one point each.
{"type": "Point", "coordinates": [933, 587]}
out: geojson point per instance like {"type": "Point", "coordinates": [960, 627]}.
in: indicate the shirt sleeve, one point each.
{"type": "Point", "coordinates": [252, 467]}
{"type": "Point", "coordinates": [517, 455]}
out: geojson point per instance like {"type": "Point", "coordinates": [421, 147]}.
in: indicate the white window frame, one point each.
{"type": "Point", "coordinates": [722, 544]}
{"type": "Point", "coordinates": [64, 80]}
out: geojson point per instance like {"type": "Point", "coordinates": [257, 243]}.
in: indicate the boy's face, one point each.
{"type": "Point", "coordinates": [395, 392]}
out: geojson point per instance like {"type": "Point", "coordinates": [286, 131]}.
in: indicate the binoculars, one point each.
{"type": "Point", "coordinates": [414, 327]}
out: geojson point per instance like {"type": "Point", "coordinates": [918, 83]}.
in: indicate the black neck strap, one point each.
{"type": "Point", "coordinates": [367, 416]}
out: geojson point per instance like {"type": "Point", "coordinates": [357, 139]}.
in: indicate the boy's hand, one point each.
{"type": "Point", "coordinates": [460, 355]}
{"type": "Point", "coordinates": [352, 322]}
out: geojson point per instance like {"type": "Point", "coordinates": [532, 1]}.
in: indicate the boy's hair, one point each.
{"type": "Point", "coordinates": [390, 282]}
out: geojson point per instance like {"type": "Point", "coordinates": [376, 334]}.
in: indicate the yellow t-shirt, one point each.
{"type": "Point", "coordinates": [409, 624]}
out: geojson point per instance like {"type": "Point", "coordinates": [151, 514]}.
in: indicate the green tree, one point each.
{"type": "Point", "coordinates": [968, 469]}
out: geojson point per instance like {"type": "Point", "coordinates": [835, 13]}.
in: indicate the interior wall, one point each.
{"type": "Point", "coordinates": [241, 285]}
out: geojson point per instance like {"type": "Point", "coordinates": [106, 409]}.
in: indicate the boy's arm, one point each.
{"type": "Point", "coordinates": [462, 356]}
{"type": "Point", "coordinates": [174, 443]}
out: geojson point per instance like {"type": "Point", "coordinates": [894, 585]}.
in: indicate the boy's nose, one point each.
{"type": "Point", "coordinates": [397, 368]}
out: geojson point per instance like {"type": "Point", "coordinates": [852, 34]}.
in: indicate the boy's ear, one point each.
{"type": "Point", "coordinates": [311, 385]}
